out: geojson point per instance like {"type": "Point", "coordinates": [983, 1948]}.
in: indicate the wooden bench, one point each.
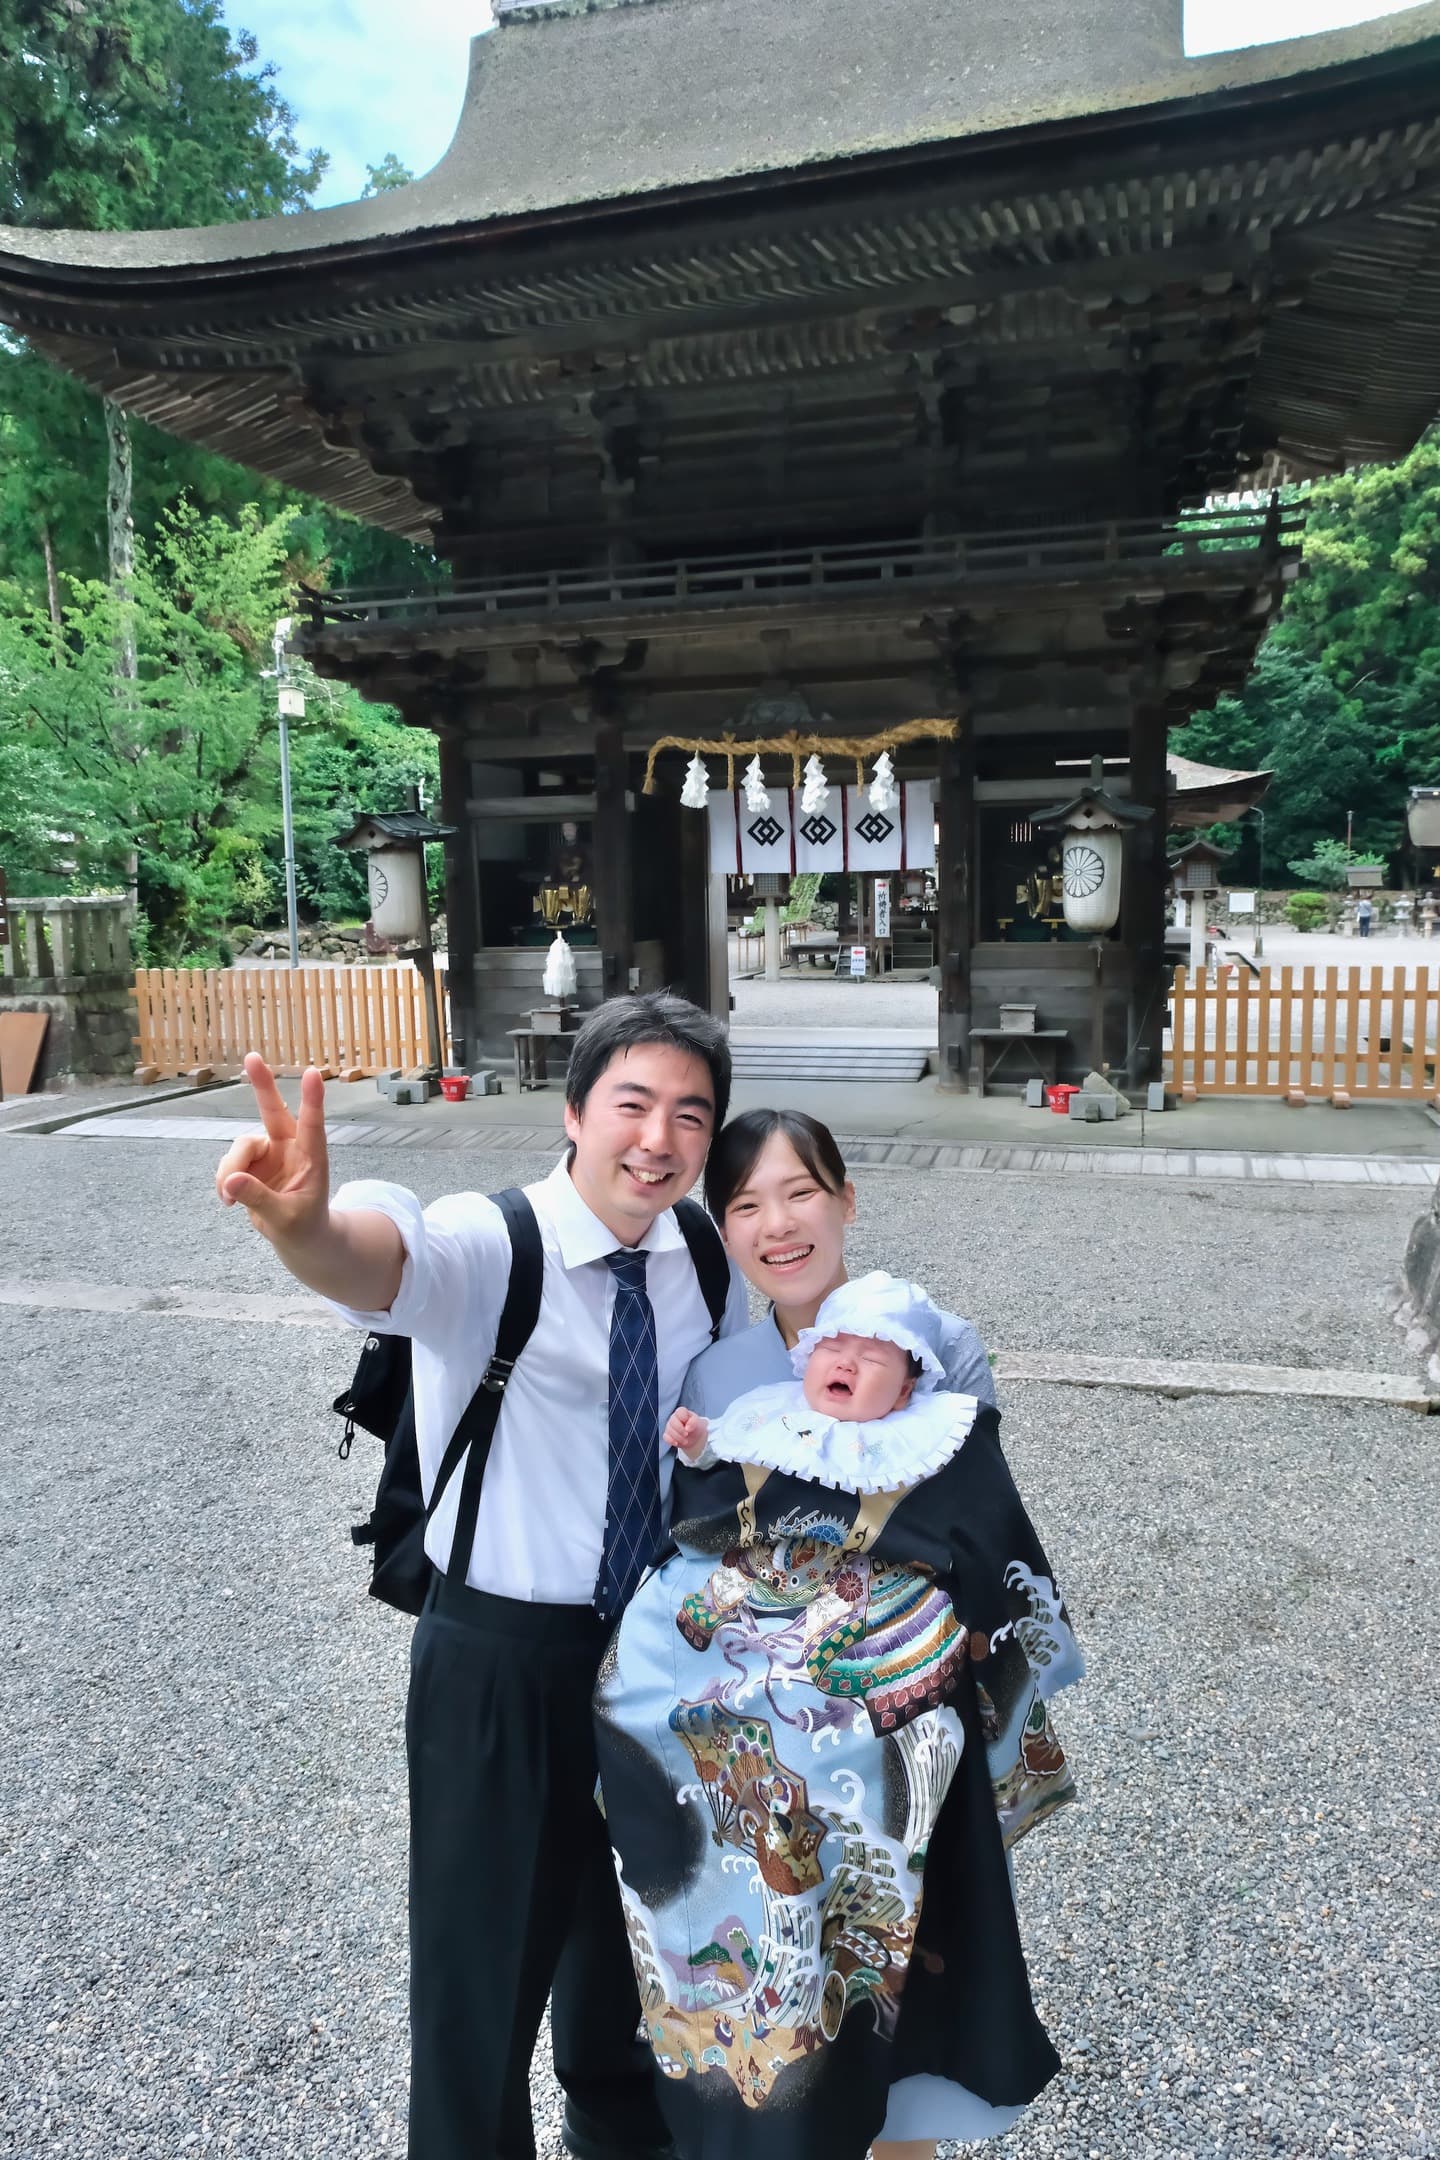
{"type": "Point", "coordinates": [1042, 1045]}
{"type": "Point", "coordinates": [814, 948]}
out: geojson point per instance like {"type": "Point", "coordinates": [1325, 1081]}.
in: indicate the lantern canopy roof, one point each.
{"type": "Point", "coordinates": [1094, 805]}
{"type": "Point", "coordinates": [1197, 856]}
{"type": "Point", "coordinates": [398, 828]}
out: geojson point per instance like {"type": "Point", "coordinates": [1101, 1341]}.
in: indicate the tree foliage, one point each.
{"type": "Point", "coordinates": [1344, 701]}
{"type": "Point", "coordinates": [188, 773]}
{"type": "Point", "coordinates": [125, 115]}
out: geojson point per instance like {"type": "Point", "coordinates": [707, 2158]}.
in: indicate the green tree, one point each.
{"type": "Point", "coordinates": [386, 176]}
{"type": "Point", "coordinates": [1344, 701]}
{"type": "Point", "coordinates": [134, 114]}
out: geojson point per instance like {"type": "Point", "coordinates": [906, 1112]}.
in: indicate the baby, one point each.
{"type": "Point", "coordinates": [863, 1412]}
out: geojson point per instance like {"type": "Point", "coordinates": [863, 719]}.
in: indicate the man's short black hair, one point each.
{"type": "Point", "coordinates": [630, 1023]}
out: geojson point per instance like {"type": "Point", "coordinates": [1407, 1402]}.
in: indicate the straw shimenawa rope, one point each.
{"type": "Point", "coordinates": [796, 747]}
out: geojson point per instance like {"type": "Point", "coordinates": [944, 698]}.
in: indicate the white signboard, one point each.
{"type": "Point", "coordinates": [882, 907]}
{"type": "Point", "coordinates": [1242, 903]}
{"type": "Point", "coordinates": [857, 960]}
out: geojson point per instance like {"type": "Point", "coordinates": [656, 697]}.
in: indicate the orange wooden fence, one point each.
{"type": "Point", "coordinates": [344, 1019]}
{"type": "Point", "coordinates": [1305, 1030]}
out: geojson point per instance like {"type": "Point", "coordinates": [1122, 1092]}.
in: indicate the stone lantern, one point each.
{"type": "Point", "coordinates": [1196, 874]}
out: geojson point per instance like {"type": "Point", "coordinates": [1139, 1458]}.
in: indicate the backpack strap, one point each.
{"type": "Point", "coordinates": [712, 1268]}
{"type": "Point", "coordinates": [476, 1429]}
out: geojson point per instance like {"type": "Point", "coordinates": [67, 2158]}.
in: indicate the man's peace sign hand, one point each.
{"type": "Point", "coordinates": [281, 1176]}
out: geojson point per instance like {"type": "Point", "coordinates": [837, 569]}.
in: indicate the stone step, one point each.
{"type": "Point", "coordinates": [842, 1062]}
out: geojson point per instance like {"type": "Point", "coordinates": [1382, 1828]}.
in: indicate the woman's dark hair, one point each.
{"type": "Point", "coordinates": [736, 1151]}
{"type": "Point", "coordinates": [628, 1023]}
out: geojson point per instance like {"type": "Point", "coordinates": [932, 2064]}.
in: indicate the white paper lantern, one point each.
{"type": "Point", "coordinates": [560, 980]}
{"type": "Point", "coordinates": [696, 792]}
{"type": "Point", "coordinates": [1090, 858]}
{"type": "Point", "coordinates": [757, 795]}
{"type": "Point", "coordinates": [396, 903]}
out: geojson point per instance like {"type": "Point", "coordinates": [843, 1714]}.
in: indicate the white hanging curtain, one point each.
{"type": "Point", "coordinates": [820, 835]}
{"type": "Point", "coordinates": [900, 838]}
{"type": "Point", "coordinates": [846, 834]}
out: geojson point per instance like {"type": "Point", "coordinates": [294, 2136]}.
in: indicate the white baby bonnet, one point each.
{"type": "Point", "coordinates": [884, 1306]}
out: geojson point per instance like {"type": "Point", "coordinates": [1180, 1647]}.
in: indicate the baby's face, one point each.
{"type": "Point", "coordinates": [857, 1377]}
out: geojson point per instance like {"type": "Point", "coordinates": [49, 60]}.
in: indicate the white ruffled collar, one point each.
{"type": "Point", "coordinates": [775, 1428]}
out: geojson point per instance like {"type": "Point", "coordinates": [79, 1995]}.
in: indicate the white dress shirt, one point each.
{"type": "Point", "coordinates": [542, 1505]}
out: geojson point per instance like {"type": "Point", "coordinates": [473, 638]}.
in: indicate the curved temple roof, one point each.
{"type": "Point", "coordinates": [568, 109]}
{"type": "Point", "coordinates": [644, 197]}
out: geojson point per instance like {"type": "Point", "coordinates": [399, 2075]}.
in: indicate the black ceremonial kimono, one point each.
{"type": "Point", "coordinates": [820, 1724]}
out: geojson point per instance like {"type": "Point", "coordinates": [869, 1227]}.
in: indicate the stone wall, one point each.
{"type": "Point", "coordinates": [71, 959]}
{"type": "Point", "coordinates": [349, 944]}
{"type": "Point", "coordinates": [91, 1035]}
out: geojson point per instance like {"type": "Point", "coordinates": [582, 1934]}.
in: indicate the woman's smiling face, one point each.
{"type": "Point", "coordinates": [786, 1230]}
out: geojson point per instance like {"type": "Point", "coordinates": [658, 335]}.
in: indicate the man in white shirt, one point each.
{"type": "Point", "coordinates": [512, 1889]}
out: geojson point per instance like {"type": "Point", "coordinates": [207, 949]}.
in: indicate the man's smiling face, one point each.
{"type": "Point", "coordinates": [642, 1136]}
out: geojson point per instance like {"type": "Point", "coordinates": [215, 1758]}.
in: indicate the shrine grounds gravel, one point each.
{"type": "Point", "coordinates": [202, 1820]}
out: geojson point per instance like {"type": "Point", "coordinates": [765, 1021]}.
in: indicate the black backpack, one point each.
{"type": "Point", "coordinates": [380, 1398]}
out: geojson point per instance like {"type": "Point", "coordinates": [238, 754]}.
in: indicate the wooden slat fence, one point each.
{"type": "Point", "coordinates": [1307, 1030]}
{"type": "Point", "coordinates": [344, 1019]}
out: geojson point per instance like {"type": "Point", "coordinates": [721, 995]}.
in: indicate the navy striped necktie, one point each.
{"type": "Point", "coordinates": [632, 1500]}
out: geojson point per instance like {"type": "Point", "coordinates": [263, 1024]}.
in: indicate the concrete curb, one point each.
{"type": "Point", "coordinates": [1176, 1377]}
{"type": "Point", "coordinates": [56, 1120]}
{"type": "Point", "coordinates": [1184, 1376]}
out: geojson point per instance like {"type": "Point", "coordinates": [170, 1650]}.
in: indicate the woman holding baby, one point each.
{"type": "Point", "coordinates": [823, 1721]}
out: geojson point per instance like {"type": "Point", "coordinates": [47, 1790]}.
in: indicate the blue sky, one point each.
{"type": "Point", "coordinates": [367, 76]}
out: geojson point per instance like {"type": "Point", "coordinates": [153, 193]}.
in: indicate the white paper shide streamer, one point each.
{"type": "Point", "coordinates": [883, 792]}
{"type": "Point", "coordinates": [757, 795]}
{"type": "Point", "coordinates": [816, 791]}
{"type": "Point", "coordinates": [560, 980]}
{"type": "Point", "coordinates": [696, 791]}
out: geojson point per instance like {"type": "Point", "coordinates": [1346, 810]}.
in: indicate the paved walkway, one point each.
{"type": "Point", "coordinates": [861, 1151]}
{"type": "Point", "coordinates": [916, 1113]}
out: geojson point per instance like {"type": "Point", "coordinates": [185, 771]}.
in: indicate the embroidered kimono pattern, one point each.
{"type": "Point", "coordinates": [815, 1686]}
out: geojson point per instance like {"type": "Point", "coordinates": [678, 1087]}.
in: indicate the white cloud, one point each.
{"type": "Point", "coordinates": [367, 76]}
{"type": "Point", "coordinates": [1227, 25]}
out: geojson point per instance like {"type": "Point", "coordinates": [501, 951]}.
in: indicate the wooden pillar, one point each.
{"type": "Point", "coordinates": [462, 899]}
{"type": "Point", "coordinates": [1146, 877]}
{"type": "Point", "coordinates": [955, 885]}
{"type": "Point", "coordinates": [614, 886]}
{"type": "Point", "coordinates": [700, 980]}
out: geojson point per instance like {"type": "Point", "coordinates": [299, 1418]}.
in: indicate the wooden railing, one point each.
{"type": "Point", "coordinates": [1305, 1031]}
{"type": "Point", "coordinates": [1070, 551]}
{"type": "Point", "coordinates": [343, 1019]}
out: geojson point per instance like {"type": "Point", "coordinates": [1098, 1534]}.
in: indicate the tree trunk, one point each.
{"type": "Point", "coordinates": [121, 529]}
{"type": "Point", "coordinates": [121, 532]}
{"type": "Point", "coordinates": [52, 582]}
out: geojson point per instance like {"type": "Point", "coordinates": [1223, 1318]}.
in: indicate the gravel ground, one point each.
{"type": "Point", "coordinates": [1257, 1274]}
{"type": "Point", "coordinates": [201, 1803]}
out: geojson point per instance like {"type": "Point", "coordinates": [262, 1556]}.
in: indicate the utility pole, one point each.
{"type": "Point", "coordinates": [1259, 884]}
{"type": "Point", "coordinates": [289, 703]}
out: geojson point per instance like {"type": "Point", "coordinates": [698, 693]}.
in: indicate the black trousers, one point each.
{"type": "Point", "coordinates": [512, 1887]}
